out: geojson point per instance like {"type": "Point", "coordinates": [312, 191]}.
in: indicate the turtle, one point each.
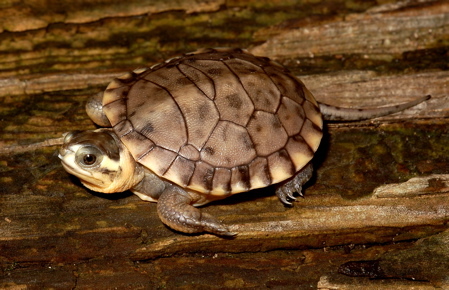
{"type": "Point", "coordinates": [201, 127]}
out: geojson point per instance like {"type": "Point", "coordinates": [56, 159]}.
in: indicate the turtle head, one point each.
{"type": "Point", "coordinates": [100, 160]}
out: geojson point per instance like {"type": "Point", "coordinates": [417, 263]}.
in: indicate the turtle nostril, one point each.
{"type": "Point", "coordinates": [63, 152]}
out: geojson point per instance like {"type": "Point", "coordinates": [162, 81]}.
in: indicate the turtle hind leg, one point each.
{"type": "Point", "coordinates": [286, 190]}
{"type": "Point", "coordinates": [175, 209]}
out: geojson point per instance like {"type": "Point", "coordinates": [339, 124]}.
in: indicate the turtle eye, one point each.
{"type": "Point", "coordinates": [88, 156]}
{"type": "Point", "coordinates": [89, 159]}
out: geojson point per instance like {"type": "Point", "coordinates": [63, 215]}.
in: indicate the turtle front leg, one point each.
{"type": "Point", "coordinates": [175, 209]}
{"type": "Point", "coordinates": [94, 109]}
{"type": "Point", "coordinates": [286, 190]}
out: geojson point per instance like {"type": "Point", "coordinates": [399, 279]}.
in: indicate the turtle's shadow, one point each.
{"type": "Point", "coordinates": [109, 196]}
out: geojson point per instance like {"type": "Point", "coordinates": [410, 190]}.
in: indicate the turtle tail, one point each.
{"type": "Point", "coordinates": [332, 113]}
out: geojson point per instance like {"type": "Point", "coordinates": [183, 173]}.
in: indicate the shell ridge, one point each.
{"type": "Point", "coordinates": [185, 121]}
{"type": "Point", "coordinates": [311, 151]}
{"type": "Point", "coordinates": [180, 112]}
{"type": "Point", "coordinates": [213, 129]}
{"type": "Point", "coordinates": [192, 81]}
{"type": "Point", "coordinates": [274, 83]}
{"type": "Point", "coordinates": [170, 165]}
{"type": "Point", "coordinates": [117, 100]}
{"type": "Point", "coordinates": [130, 130]}
{"type": "Point", "coordinates": [249, 135]}
{"type": "Point", "coordinates": [146, 152]}
{"type": "Point", "coordinates": [315, 128]}
{"type": "Point", "coordinates": [290, 157]}
{"type": "Point", "coordinates": [241, 84]}
{"type": "Point", "coordinates": [205, 74]}
{"type": "Point", "coordinates": [249, 86]}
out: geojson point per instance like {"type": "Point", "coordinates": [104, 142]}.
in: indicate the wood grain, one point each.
{"type": "Point", "coordinates": [55, 233]}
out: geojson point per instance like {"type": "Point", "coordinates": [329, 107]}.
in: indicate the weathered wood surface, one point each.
{"type": "Point", "coordinates": [54, 233]}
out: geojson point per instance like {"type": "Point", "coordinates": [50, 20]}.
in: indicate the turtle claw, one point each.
{"type": "Point", "coordinates": [285, 196]}
{"type": "Point", "coordinates": [286, 191]}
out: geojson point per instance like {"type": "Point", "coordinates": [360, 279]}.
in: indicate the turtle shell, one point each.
{"type": "Point", "coordinates": [216, 121]}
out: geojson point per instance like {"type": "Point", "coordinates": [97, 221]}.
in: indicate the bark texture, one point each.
{"type": "Point", "coordinates": [380, 192]}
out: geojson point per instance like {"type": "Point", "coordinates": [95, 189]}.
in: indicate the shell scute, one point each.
{"type": "Point", "coordinates": [180, 171]}
{"type": "Point", "coordinates": [240, 178]}
{"type": "Point", "coordinates": [141, 145]}
{"type": "Point", "coordinates": [228, 146]}
{"type": "Point", "coordinates": [222, 181]}
{"type": "Point", "coordinates": [281, 166]}
{"type": "Point", "coordinates": [202, 177]}
{"type": "Point", "coordinates": [299, 151]}
{"type": "Point", "coordinates": [291, 115]}
{"type": "Point", "coordinates": [264, 124]}
{"type": "Point", "coordinates": [231, 99]}
{"type": "Point", "coordinates": [148, 111]}
{"type": "Point", "coordinates": [159, 158]}
{"type": "Point", "coordinates": [259, 172]}
{"type": "Point", "coordinates": [200, 115]}
{"type": "Point", "coordinates": [257, 84]}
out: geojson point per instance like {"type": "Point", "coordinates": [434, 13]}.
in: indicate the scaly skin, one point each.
{"type": "Point", "coordinates": [175, 210]}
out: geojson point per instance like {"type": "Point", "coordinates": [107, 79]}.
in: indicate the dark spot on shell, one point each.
{"type": "Point", "coordinates": [244, 174]}
{"type": "Point", "coordinates": [299, 111]}
{"type": "Point", "coordinates": [183, 81]}
{"type": "Point", "coordinates": [234, 101]}
{"type": "Point", "coordinates": [284, 155]}
{"type": "Point", "coordinates": [208, 178]}
{"type": "Point", "coordinates": [147, 129]}
{"type": "Point", "coordinates": [209, 150]}
{"type": "Point", "coordinates": [203, 111]}
{"type": "Point", "coordinates": [140, 104]}
{"type": "Point", "coordinates": [199, 133]}
{"type": "Point", "coordinates": [276, 124]}
{"type": "Point", "coordinates": [267, 102]}
{"type": "Point", "coordinates": [258, 128]}
{"type": "Point", "coordinates": [247, 142]}
{"type": "Point", "coordinates": [214, 71]}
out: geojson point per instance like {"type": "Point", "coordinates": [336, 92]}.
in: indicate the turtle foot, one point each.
{"type": "Point", "coordinates": [286, 190]}
{"type": "Point", "coordinates": [176, 211]}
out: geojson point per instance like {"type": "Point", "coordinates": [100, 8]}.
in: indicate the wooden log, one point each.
{"type": "Point", "coordinates": [55, 233]}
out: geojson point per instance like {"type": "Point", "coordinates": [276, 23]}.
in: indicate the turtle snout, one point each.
{"type": "Point", "coordinates": [63, 151]}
